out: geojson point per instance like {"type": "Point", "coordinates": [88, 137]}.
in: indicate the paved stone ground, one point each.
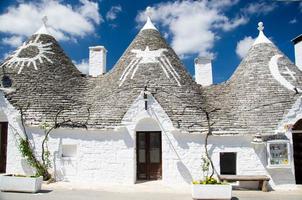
{"type": "Point", "coordinates": [144, 191]}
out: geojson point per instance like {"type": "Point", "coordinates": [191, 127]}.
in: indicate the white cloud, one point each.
{"type": "Point", "coordinates": [259, 8]}
{"type": "Point", "coordinates": [193, 25]}
{"type": "Point", "coordinates": [83, 66]}
{"type": "Point", "coordinates": [230, 25]}
{"type": "Point", "coordinates": [13, 41]}
{"type": "Point", "coordinates": [293, 21]}
{"type": "Point", "coordinates": [224, 4]}
{"type": "Point", "coordinates": [244, 45]}
{"type": "Point", "coordinates": [112, 13]}
{"type": "Point", "coordinates": [66, 21]}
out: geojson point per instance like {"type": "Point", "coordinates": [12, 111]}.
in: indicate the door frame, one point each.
{"type": "Point", "coordinates": [3, 146]}
{"type": "Point", "coordinates": [294, 132]}
{"type": "Point", "coordinates": [147, 156]}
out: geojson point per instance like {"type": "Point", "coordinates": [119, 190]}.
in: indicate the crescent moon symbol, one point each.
{"type": "Point", "coordinates": [273, 67]}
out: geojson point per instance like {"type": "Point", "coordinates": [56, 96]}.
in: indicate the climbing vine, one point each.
{"type": "Point", "coordinates": [28, 153]}
{"type": "Point", "coordinates": [26, 149]}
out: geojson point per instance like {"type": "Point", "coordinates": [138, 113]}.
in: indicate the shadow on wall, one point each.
{"type": "Point", "coordinates": [184, 139]}
{"type": "Point", "coordinates": [279, 176]}
{"type": "Point", "coordinates": [26, 168]}
{"type": "Point", "coordinates": [184, 171]}
{"type": "Point", "coordinates": [83, 135]}
{"type": "Point", "coordinates": [282, 176]}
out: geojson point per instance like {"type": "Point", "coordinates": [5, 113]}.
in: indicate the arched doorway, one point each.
{"type": "Point", "coordinates": [148, 150]}
{"type": "Point", "coordinates": [297, 147]}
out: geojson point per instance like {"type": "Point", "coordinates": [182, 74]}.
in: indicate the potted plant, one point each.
{"type": "Point", "coordinates": [20, 183]}
{"type": "Point", "coordinates": [209, 187]}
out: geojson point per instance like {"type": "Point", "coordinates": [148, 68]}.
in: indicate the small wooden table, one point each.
{"type": "Point", "coordinates": [263, 179]}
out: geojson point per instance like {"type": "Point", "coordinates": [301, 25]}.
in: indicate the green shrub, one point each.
{"type": "Point", "coordinates": [208, 181]}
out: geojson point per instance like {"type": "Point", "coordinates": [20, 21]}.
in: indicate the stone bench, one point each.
{"type": "Point", "coordinates": [263, 179]}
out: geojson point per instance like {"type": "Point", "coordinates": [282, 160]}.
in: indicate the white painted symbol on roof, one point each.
{"type": "Point", "coordinates": [291, 73]}
{"type": "Point", "coordinates": [40, 50]}
{"type": "Point", "coordinates": [274, 69]}
{"type": "Point", "coordinates": [149, 56]}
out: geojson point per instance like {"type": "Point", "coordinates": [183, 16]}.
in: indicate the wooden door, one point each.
{"type": "Point", "coordinates": [3, 144]}
{"type": "Point", "coordinates": [149, 155]}
{"type": "Point", "coordinates": [297, 146]}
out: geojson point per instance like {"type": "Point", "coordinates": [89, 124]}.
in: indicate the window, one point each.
{"type": "Point", "coordinates": [228, 163]}
{"type": "Point", "coordinates": [278, 153]}
{"type": "Point", "coordinates": [69, 150]}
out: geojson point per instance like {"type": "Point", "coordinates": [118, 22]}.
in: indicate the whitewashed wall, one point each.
{"type": "Point", "coordinates": [109, 156]}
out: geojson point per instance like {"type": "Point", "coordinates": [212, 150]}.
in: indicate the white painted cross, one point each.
{"type": "Point", "coordinates": [291, 73]}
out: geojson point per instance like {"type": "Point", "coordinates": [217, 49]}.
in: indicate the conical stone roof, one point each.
{"type": "Point", "coordinates": [259, 93]}
{"type": "Point", "coordinates": [45, 79]}
{"type": "Point", "coordinates": [148, 61]}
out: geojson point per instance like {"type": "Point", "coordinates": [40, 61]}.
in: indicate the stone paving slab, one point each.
{"type": "Point", "coordinates": [136, 192]}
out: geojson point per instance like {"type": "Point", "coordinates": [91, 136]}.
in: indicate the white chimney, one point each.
{"type": "Point", "coordinates": [97, 60]}
{"type": "Point", "coordinates": [298, 51]}
{"type": "Point", "coordinates": [203, 71]}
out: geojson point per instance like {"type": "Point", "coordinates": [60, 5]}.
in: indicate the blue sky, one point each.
{"type": "Point", "coordinates": [222, 29]}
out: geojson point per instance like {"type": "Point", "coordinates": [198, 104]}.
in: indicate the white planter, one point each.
{"type": "Point", "coordinates": [20, 184]}
{"type": "Point", "coordinates": [211, 191]}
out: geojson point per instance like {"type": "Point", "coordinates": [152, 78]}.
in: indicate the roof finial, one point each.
{"type": "Point", "coordinates": [260, 26]}
{"type": "Point", "coordinates": [261, 37]}
{"type": "Point", "coordinates": [43, 28]}
{"type": "Point", "coordinates": [149, 24]}
{"type": "Point", "coordinates": [149, 11]}
{"type": "Point", "coordinates": [45, 20]}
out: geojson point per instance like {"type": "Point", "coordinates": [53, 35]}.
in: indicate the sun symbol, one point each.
{"type": "Point", "coordinates": [29, 53]}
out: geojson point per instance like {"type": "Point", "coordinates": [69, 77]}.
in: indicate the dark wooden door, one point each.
{"type": "Point", "coordinates": [297, 142]}
{"type": "Point", "coordinates": [149, 155]}
{"type": "Point", "coordinates": [3, 144]}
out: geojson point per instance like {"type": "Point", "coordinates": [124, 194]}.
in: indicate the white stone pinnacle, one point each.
{"type": "Point", "coordinates": [149, 24]}
{"type": "Point", "coordinates": [43, 28]}
{"type": "Point", "coordinates": [261, 37]}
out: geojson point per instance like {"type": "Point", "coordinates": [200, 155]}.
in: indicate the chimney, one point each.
{"type": "Point", "coordinates": [97, 60]}
{"type": "Point", "coordinates": [298, 51]}
{"type": "Point", "coordinates": [203, 71]}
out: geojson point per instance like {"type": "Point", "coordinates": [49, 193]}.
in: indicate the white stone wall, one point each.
{"type": "Point", "coordinates": [298, 55]}
{"type": "Point", "coordinates": [109, 156]}
{"type": "Point", "coordinates": [102, 156]}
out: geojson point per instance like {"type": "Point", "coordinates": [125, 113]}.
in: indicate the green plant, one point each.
{"type": "Point", "coordinates": [205, 166]}
{"type": "Point", "coordinates": [47, 128]}
{"type": "Point", "coordinates": [28, 154]}
{"type": "Point", "coordinates": [26, 149]}
{"type": "Point", "coordinates": [208, 181]}
{"type": "Point", "coordinates": [207, 163]}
